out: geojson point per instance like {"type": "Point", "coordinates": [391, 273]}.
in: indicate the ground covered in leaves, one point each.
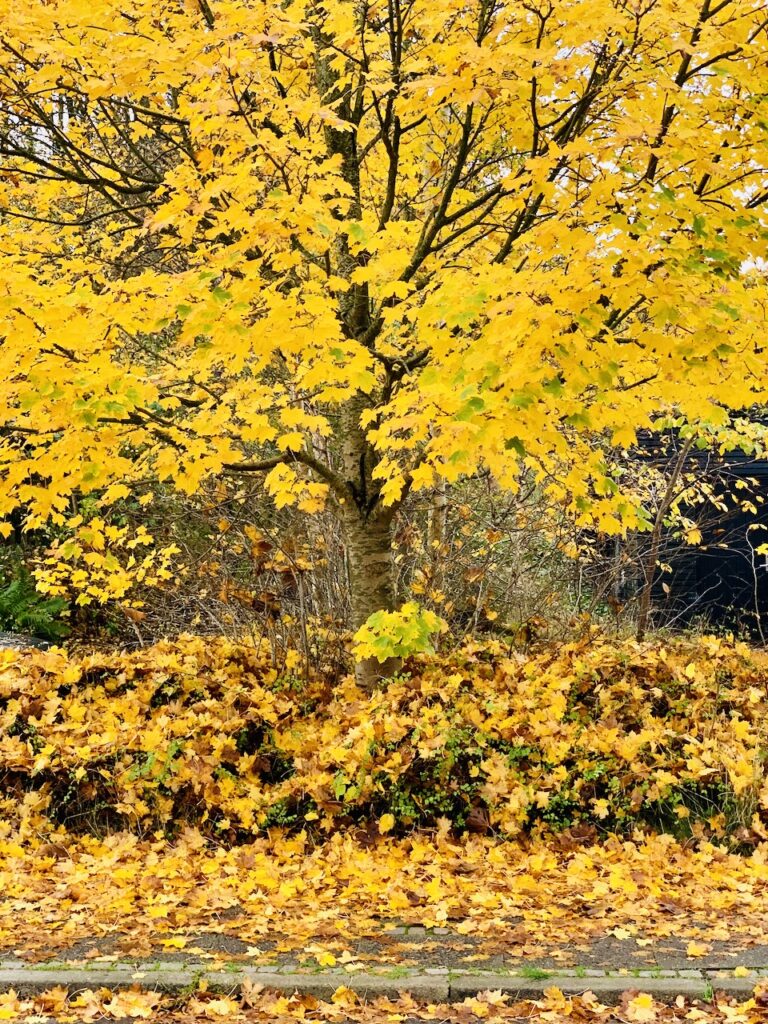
{"type": "Point", "coordinates": [555, 1008]}
{"type": "Point", "coordinates": [193, 798]}
{"type": "Point", "coordinates": [339, 901]}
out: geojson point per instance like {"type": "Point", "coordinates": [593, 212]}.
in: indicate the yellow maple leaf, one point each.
{"type": "Point", "coordinates": [697, 949]}
{"type": "Point", "coordinates": [641, 1008]}
{"type": "Point", "coordinates": [213, 1008]}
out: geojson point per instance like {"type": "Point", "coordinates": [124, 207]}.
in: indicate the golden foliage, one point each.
{"type": "Point", "coordinates": [345, 1008]}
{"type": "Point", "coordinates": [236, 235]}
{"type": "Point", "coordinates": [597, 734]}
{"type": "Point", "coordinates": [205, 732]}
{"type": "Point", "coordinates": [287, 894]}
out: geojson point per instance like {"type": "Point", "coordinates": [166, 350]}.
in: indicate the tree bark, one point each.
{"type": "Point", "coordinates": [371, 584]}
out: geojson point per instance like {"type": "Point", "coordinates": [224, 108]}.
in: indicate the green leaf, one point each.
{"type": "Point", "coordinates": [514, 444]}
{"type": "Point", "coordinates": [473, 406]}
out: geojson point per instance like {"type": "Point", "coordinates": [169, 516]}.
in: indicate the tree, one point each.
{"type": "Point", "coordinates": [362, 246]}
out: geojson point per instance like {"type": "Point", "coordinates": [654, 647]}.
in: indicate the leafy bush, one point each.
{"type": "Point", "coordinates": [588, 737]}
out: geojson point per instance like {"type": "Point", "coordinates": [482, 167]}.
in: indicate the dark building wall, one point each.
{"type": "Point", "coordinates": [723, 580]}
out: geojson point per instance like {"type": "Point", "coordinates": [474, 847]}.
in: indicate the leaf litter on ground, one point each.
{"type": "Point", "coordinates": [282, 894]}
{"type": "Point", "coordinates": [256, 1005]}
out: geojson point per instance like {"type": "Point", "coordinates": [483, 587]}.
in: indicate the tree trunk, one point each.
{"type": "Point", "coordinates": [369, 551]}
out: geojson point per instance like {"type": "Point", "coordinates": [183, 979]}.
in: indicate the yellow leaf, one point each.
{"type": "Point", "coordinates": [222, 1007]}
{"type": "Point", "coordinates": [697, 949]}
{"type": "Point", "coordinates": [395, 288]}
{"type": "Point", "coordinates": [641, 1008]}
{"type": "Point", "coordinates": [158, 911]}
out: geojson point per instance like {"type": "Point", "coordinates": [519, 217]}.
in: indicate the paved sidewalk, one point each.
{"type": "Point", "coordinates": [434, 965]}
{"type": "Point", "coordinates": [518, 947]}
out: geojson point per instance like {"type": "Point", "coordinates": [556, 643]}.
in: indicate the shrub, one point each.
{"type": "Point", "coordinates": [587, 737]}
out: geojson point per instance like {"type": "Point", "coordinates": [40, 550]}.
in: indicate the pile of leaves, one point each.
{"type": "Point", "coordinates": [334, 903]}
{"type": "Point", "coordinates": [595, 736]}
{"type": "Point", "coordinates": [253, 1005]}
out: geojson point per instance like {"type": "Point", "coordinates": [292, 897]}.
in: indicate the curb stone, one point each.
{"type": "Point", "coordinates": [608, 989]}
{"type": "Point", "coordinates": [27, 982]}
{"type": "Point", "coordinates": [429, 988]}
{"type": "Point", "coordinates": [742, 987]}
{"type": "Point", "coordinates": [430, 984]}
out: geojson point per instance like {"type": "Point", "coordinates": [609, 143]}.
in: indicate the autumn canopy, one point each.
{"type": "Point", "coordinates": [361, 246]}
